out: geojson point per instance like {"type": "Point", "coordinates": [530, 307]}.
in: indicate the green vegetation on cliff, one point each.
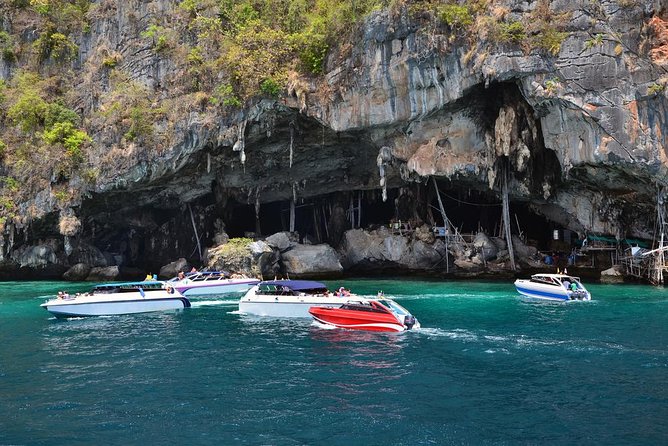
{"type": "Point", "coordinates": [256, 44]}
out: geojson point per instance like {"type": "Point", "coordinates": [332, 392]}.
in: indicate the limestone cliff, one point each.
{"type": "Point", "coordinates": [573, 107]}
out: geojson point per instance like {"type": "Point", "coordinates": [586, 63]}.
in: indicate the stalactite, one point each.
{"type": "Point", "coordinates": [382, 160]}
{"type": "Point", "coordinates": [292, 207]}
{"type": "Point", "coordinates": [506, 217]}
{"type": "Point", "coordinates": [257, 212]}
{"type": "Point", "coordinates": [292, 139]}
{"type": "Point", "coordinates": [10, 241]}
{"type": "Point", "coordinates": [240, 145]}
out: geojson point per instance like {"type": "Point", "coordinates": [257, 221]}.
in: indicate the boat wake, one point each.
{"type": "Point", "coordinates": [323, 326]}
{"type": "Point", "coordinates": [458, 334]}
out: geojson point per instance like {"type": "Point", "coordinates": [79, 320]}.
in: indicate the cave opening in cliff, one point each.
{"type": "Point", "coordinates": [316, 217]}
{"type": "Point", "coordinates": [535, 229]}
{"type": "Point", "coordinates": [472, 211]}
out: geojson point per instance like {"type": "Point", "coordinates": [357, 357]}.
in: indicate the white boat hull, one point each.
{"type": "Point", "coordinates": [534, 290]}
{"type": "Point", "coordinates": [218, 287]}
{"type": "Point", "coordinates": [111, 304]}
{"type": "Point", "coordinates": [288, 306]}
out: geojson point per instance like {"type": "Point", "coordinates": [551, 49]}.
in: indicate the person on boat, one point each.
{"type": "Point", "coordinates": [574, 286]}
{"type": "Point", "coordinates": [193, 270]}
{"type": "Point", "coordinates": [181, 275]}
{"type": "Point", "coordinates": [567, 284]}
{"type": "Point", "coordinates": [61, 295]}
{"type": "Point", "coordinates": [148, 277]}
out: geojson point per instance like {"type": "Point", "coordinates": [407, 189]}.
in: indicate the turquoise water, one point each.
{"type": "Point", "coordinates": [487, 368]}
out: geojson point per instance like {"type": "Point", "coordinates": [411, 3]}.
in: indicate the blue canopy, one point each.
{"type": "Point", "coordinates": [295, 284]}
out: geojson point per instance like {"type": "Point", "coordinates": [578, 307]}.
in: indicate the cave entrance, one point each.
{"type": "Point", "coordinates": [314, 215]}
{"type": "Point", "coordinates": [472, 211]}
{"type": "Point", "coordinates": [535, 229]}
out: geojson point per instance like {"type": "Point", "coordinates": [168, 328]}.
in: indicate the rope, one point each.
{"type": "Point", "coordinates": [467, 202]}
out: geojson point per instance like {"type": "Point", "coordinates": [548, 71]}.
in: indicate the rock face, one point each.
{"type": "Point", "coordinates": [486, 248]}
{"type": "Point", "coordinates": [104, 274]}
{"type": "Point", "coordinates": [77, 272]}
{"type": "Point", "coordinates": [612, 275]}
{"type": "Point", "coordinates": [282, 241]}
{"type": "Point", "coordinates": [172, 269]}
{"type": "Point", "coordinates": [381, 250]}
{"type": "Point", "coordinates": [577, 129]}
{"type": "Point", "coordinates": [311, 261]}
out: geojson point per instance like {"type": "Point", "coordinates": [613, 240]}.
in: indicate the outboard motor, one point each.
{"type": "Point", "coordinates": [409, 321]}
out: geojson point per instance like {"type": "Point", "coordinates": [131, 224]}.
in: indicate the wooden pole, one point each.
{"type": "Point", "coordinates": [324, 217]}
{"type": "Point", "coordinates": [316, 223]}
{"type": "Point", "coordinates": [506, 219]}
{"type": "Point", "coordinates": [446, 225]}
{"type": "Point", "coordinates": [359, 209]}
{"type": "Point", "coordinates": [199, 246]}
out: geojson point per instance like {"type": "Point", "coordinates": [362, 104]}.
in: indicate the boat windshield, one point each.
{"type": "Point", "coordinates": [395, 307]}
{"type": "Point", "coordinates": [362, 307]}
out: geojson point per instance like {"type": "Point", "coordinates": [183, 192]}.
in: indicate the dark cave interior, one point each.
{"type": "Point", "coordinates": [469, 210]}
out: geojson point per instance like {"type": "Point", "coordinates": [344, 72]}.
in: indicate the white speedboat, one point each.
{"type": "Point", "coordinates": [560, 287]}
{"type": "Point", "coordinates": [290, 298]}
{"type": "Point", "coordinates": [211, 282]}
{"type": "Point", "coordinates": [118, 298]}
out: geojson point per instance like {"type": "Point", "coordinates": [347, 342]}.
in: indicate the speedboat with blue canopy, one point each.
{"type": "Point", "coordinates": [290, 298]}
{"type": "Point", "coordinates": [118, 298]}
{"type": "Point", "coordinates": [557, 287]}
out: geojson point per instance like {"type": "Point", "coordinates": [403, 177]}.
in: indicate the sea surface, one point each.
{"type": "Point", "coordinates": [486, 368]}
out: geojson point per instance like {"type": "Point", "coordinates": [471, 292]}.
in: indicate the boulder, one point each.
{"type": "Point", "coordinates": [78, 272]}
{"type": "Point", "coordinates": [237, 256]}
{"type": "Point", "coordinates": [171, 269]}
{"type": "Point", "coordinates": [612, 275]}
{"type": "Point", "coordinates": [88, 254]}
{"type": "Point", "coordinates": [380, 249]}
{"type": "Point", "coordinates": [425, 234]}
{"type": "Point", "coordinates": [103, 274]}
{"type": "Point", "coordinates": [281, 241]}
{"type": "Point", "coordinates": [221, 238]}
{"type": "Point", "coordinates": [311, 261]}
{"type": "Point", "coordinates": [523, 252]}
{"type": "Point", "coordinates": [485, 247]}
{"type": "Point", "coordinates": [265, 258]}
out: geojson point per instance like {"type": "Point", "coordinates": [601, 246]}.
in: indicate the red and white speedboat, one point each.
{"type": "Point", "coordinates": [367, 314]}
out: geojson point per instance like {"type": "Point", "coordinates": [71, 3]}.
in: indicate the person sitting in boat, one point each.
{"type": "Point", "coordinates": [343, 292]}
{"type": "Point", "coordinates": [61, 295]}
{"type": "Point", "coordinates": [574, 286]}
{"type": "Point", "coordinates": [181, 275]}
{"type": "Point", "coordinates": [148, 277]}
{"type": "Point", "coordinates": [567, 284]}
